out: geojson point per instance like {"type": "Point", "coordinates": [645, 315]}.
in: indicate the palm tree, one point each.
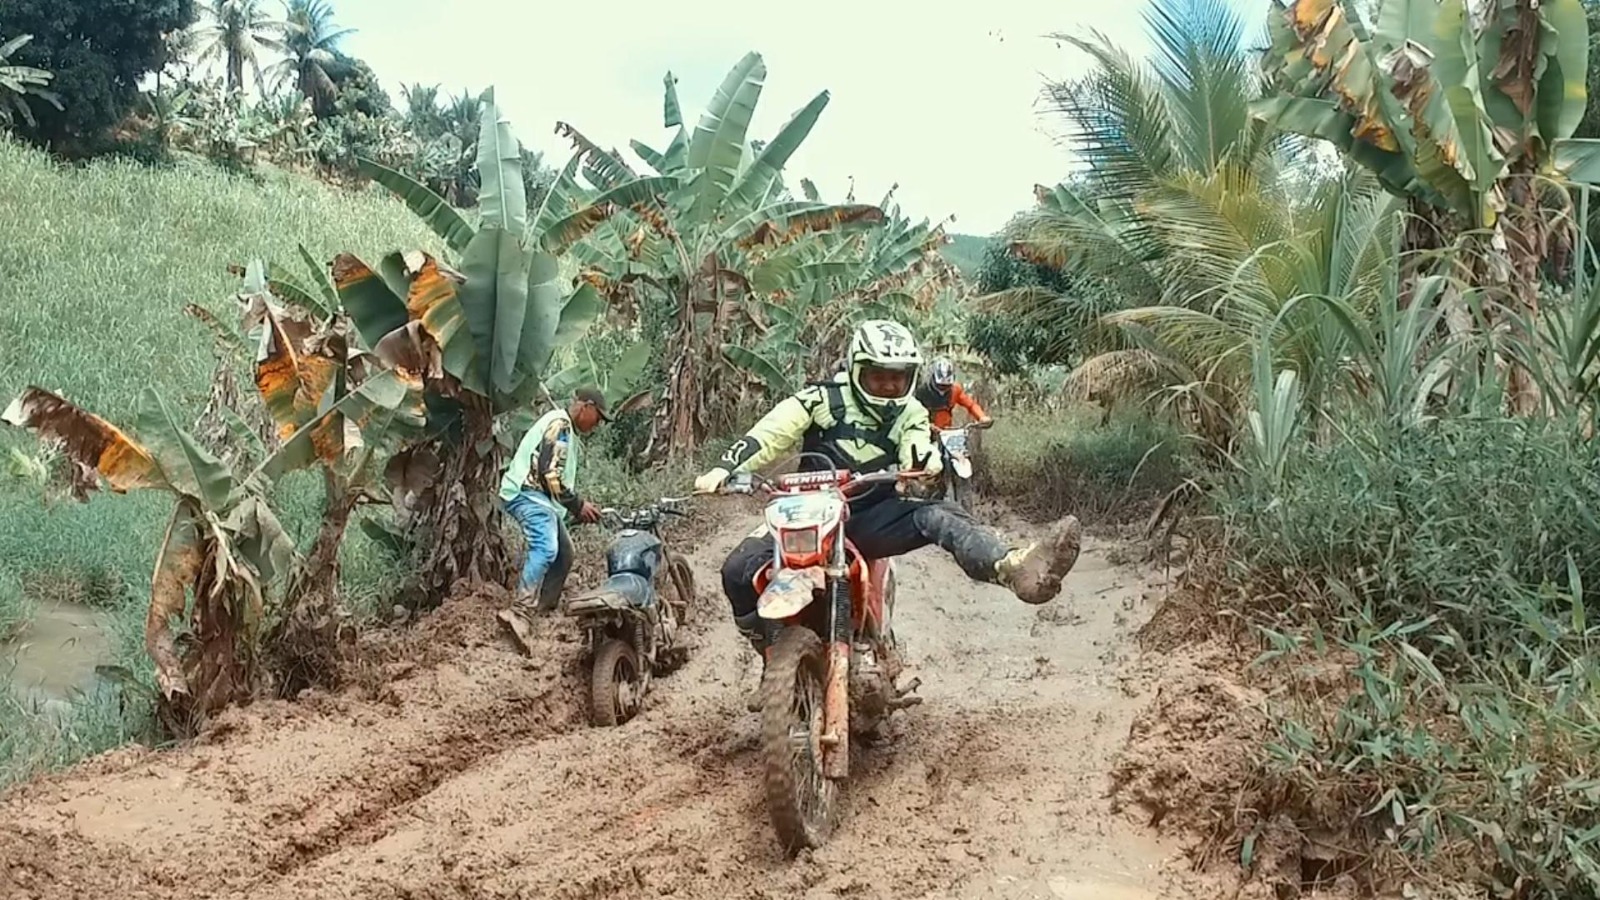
{"type": "Point", "coordinates": [422, 113]}
{"type": "Point", "coordinates": [310, 46]}
{"type": "Point", "coordinates": [234, 33]}
{"type": "Point", "coordinates": [1194, 216]}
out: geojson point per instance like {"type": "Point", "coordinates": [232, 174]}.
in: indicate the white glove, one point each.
{"type": "Point", "coordinates": [712, 481]}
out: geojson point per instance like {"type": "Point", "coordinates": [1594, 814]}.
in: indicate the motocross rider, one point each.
{"type": "Point", "coordinates": [940, 394]}
{"type": "Point", "coordinates": [867, 420]}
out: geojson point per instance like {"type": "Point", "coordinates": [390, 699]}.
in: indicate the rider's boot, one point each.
{"type": "Point", "coordinates": [1034, 573]}
{"type": "Point", "coordinates": [754, 630]}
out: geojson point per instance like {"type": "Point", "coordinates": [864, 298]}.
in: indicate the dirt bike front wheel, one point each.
{"type": "Point", "coordinates": [616, 684]}
{"type": "Point", "coordinates": [800, 800]}
{"type": "Point", "coordinates": [961, 492]}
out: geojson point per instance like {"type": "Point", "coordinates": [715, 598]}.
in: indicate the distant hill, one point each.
{"type": "Point", "coordinates": [965, 252]}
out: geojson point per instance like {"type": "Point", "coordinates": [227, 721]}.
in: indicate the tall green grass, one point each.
{"type": "Point", "coordinates": [96, 266]}
{"type": "Point", "coordinates": [1049, 463]}
{"type": "Point", "coordinates": [1420, 569]}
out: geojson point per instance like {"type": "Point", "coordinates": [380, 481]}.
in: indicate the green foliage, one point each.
{"type": "Point", "coordinates": [99, 51]}
{"type": "Point", "coordinates": [1049, 463]}
{"type": "Point", "coordinates": [966, 252]}
{"type": "Point", "coordinates": [22, 85]}
{"type": "Point", "coordinates": [1470, 719]}
{"type": "Point", "coordinates": [102, 357]}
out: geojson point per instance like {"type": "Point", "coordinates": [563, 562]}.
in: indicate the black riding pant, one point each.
{"type": "Point", "coordinates": [890, 527]}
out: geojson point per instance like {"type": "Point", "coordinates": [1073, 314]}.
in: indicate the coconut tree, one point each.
{"type": "Point", "coordinates": [1182, 190]}
{"type": "Point", "coordinates": [310, 45]}
{"type": "Point", "coordinates": [234, 32]}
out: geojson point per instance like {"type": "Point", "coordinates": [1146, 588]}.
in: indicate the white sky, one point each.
{"type": "Point", "coordinates": [944, 103]}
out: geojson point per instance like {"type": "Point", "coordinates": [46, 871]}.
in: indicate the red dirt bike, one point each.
{"type": "Point", "coordinates": [832, 667]}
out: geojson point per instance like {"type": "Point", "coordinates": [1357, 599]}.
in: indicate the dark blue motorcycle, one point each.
{"type": "Point", "coordinates": [633, 622]}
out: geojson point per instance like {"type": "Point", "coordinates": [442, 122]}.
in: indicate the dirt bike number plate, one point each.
{"type": "Point", "coordinates": [789, 592]}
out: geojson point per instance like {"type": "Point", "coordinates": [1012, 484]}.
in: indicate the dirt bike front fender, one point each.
{"type": "Point", "coordinates": [789, 592]}
{"type": "Point", "coordinates": [962, 466]}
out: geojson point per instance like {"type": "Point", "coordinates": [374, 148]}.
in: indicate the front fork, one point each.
{"type": "Point", "coordinates": [836, 692]}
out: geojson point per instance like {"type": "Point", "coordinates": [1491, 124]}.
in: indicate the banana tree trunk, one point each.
{"type": "Point", "coordinates": [675, 429]}
{"type": "Point", "coordinates": [1527, 239]}
{"type": "Point", "coordinates": [304, 645]}
{"type": "Point", "coordinates": [463, 537]}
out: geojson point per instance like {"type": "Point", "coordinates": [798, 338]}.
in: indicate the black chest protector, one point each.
{"type": "Point", "coordinates": [826, 441]}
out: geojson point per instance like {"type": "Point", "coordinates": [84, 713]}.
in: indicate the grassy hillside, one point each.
{"type": "Point", "coordinates": [96, 265]}
{"type": "Point", "coordinates": [965, 252]}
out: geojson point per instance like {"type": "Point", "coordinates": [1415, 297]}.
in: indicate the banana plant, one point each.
{"type": "Point", "coordinates": [716, 237]}
{"type": "Point", "coordinates": [475, 341]}
{"type": "Point", "coordinates": [223, 542]}
{"type": "Point", "coordinates": [19, 83]}
{"type": "Point", "coordinates": [1464, 107]}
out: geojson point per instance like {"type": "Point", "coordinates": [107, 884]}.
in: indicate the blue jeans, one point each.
{"type": "Point", "coordinates": [549, 556]}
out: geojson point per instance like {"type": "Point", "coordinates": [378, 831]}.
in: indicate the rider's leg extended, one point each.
{"type": "Point", "coordinates": [1034, 572]}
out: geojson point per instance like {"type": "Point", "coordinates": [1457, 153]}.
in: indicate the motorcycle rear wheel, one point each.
{"type": "Point", "coordinates": [800, 800]}
{"type": "Point", "coordinates": [616, 684]}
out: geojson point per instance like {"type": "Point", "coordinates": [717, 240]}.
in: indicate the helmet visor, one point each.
{"type": "Point", "coordinates": [886, 382]}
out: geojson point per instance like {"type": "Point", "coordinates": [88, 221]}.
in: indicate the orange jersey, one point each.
{"type": "Point", "coordinates": [941, 407]}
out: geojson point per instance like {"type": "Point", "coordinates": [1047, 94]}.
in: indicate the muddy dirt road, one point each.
{"type": "Point", "coordinates": [466, 771]}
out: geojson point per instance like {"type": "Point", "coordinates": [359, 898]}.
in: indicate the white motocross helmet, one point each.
{"type": "Point", "coordinates": [883, 344]}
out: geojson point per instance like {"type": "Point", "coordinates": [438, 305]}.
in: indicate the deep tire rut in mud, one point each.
{"type": "Point", "coordinates": [464, 769]}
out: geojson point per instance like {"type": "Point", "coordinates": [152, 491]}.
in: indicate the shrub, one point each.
{"type": "Point", "coordinates": [1050, 464]}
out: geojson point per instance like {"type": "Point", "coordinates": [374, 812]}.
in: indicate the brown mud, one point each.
{"type": "Point", "coordinates": [458, 768]}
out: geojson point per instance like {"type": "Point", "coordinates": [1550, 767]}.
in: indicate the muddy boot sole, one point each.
{"type": "Point", "coordinates": [1038, 578]}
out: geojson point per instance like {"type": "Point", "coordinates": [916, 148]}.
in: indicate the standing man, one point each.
{"type": "Point", "coordinates": [539, 491]}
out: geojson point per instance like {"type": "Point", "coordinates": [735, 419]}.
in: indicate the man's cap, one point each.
{"type": "Point", "coordinates": [593, 397]}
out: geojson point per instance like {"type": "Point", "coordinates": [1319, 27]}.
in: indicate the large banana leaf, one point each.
{"type": "Point", "coordinates": [291, 381]}
{"type": "Point", "coordinates": [582, 309]}
{"type": "Point", "coordinates": [494, 300]}
{"type": "Point", "coordinates": [671, 112]}
{"type": "Point", "coordinates": [364, 416]}
{"type": "Point", "coordinates": [448, 223]}
{"type": "Point", "coordinates": [560, 235]}
{"type": "Point", "coordinates": [719, 138]}
{"type": "Point", "coordinates": [544, 302]}
{"type": "Point", "coordinates": [183, 552]}
{"type": "Point", "coordinates": [786, 273]}
{"type": "Point", "coordinates": [375, 307]}
{"type": "Point", "coordinates": [1563, 89]}
{"type": "Point", "coordinates": [503, 199]}
{"type": "Point", "coordinates": [1578, 159]}
{"type": "Point", "coordinates": [616, 381]}
{"type": "Point", "coordinates": [787, 221]}
{"type": "Point", "coordinates": [189, 468]}
{"type": "Point", "coordinates": [755, 184]}
{"type": "Point", "coordinates": [758, 365]}
{"type": "Point", "coordinates": [95, 448]}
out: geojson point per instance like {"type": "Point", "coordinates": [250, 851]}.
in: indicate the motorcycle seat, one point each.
{"type": "Point", "coordinates": [622, 591]}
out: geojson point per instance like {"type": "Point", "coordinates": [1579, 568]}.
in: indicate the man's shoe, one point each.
{"type": "Point", "coordinates": [1034, 574]}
